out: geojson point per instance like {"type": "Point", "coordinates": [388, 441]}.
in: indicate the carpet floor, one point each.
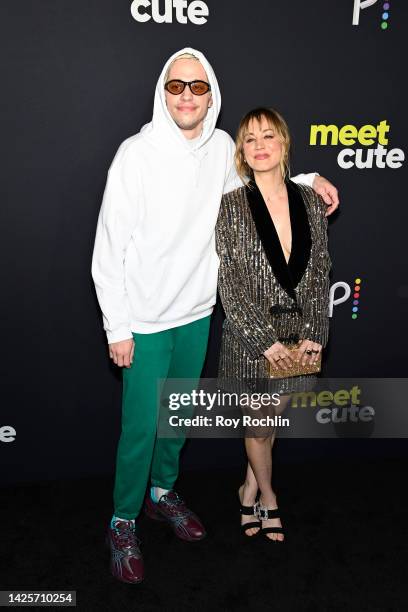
{"type": "Point", "coordinates": [345, 548]}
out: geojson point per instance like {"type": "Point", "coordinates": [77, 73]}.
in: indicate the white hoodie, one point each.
{"type": "Point", "coordinates": [154, 262]}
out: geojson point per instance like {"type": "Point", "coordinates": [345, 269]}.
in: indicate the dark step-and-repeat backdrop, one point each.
{"type": "Point", "coordinates": [77, 79]}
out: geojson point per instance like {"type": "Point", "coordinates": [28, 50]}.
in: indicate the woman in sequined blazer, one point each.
{"type": "Point", "coordinates": [271, 238]}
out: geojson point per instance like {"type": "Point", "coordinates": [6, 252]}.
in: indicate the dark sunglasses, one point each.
{"type": "Point", "coordinates": [198, 88]}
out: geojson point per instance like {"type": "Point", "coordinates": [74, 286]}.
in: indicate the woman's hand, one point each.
{"type": "Point", "coordinates": [279, 356]}
{"type": "Point", "coordinates": [308, 352]}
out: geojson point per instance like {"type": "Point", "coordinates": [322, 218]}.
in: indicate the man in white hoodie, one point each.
{"type": "Point", "coordinates": [155, 272]}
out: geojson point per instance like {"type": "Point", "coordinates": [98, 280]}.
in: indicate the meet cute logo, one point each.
{"type": "Point", "coordinates": [167, 11]}
{"type": "Point", "coordinates": [374, 139]}
{"type": "Point", "coordinates": [341, 406]}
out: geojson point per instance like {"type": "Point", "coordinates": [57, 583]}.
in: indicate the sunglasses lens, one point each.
{"type": "Point", "coordinates": [175, 87]}
{"type": "Point", "coordinates": [199, 88]}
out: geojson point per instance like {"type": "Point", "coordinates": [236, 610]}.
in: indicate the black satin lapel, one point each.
{"type": "Point", "coordinates": [269, 238]}
{"type": "Point", "coordinates": [301, 234]}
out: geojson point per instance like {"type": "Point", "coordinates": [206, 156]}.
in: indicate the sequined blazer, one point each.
{"type": "Point", "coordinates": [266, 299]}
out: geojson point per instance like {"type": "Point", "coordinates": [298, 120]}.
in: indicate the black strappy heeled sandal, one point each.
{"type": "Point", "coordinates": [249, 511]}
{"type": "Point", "coordinates": [264, 514]}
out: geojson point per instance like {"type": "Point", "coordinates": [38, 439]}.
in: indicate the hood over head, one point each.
{"type": "Point", "coordinates": [163, 126]}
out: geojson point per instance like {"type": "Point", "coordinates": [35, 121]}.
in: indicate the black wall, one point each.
{"type": "Point", "coordinates": [77, 79]}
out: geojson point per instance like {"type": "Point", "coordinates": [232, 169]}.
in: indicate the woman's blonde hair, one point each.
{"type": "Point", "coordinates": [278, 124]}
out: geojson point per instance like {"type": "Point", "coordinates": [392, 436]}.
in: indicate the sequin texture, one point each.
{"type": "Point", "coordinates": [259, 311]}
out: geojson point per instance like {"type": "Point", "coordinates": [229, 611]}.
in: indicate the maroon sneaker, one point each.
{"type": "Point", "coordinates": [171, 508]}
{"type": "Point", "coordinates": [126, 557]}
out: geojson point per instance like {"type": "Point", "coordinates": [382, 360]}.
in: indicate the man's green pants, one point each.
{"type": "Point", "coordinates": [174, 353]}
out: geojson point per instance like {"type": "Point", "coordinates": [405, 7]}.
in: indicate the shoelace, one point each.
{"type": "Point", "coordinates": [175, 500]}
{"type": "Point", "coordinates": [126, 535]}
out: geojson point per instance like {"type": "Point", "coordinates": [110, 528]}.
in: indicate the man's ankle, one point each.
{"type": "Point", "coordinates": [116, 518]}
{"type": "Point", "coordinates": [156, 493]}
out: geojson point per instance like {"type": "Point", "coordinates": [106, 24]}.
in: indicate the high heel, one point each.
{"type": "Point", "coordinates": [263, 513]}
{"type": "Point", "coordinates": [248, 511]}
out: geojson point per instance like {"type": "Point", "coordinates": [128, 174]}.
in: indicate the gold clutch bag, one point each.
{"type": "Point", "coordinates": [297, 369]}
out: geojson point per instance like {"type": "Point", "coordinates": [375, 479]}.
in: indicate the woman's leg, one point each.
{"type": "Point", "coordinates": [247, 496]}
{"type": "Point", "coordinates": [259, 473]}
{"type": "Point", "coordinates": [260, 460]}
{"type": "Point", "coordinates": [249, 490]}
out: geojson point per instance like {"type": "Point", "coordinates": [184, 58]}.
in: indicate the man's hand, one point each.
{"type": "Point", "coordinates": [328, 192]}
{"type": "Point", "coordinates": [122, 352]}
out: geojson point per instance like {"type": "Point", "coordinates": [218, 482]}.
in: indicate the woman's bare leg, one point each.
{"type": "Point", "coordinates": [259, 474]}
{"type": "Point", "coordinates": [247, 495]}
